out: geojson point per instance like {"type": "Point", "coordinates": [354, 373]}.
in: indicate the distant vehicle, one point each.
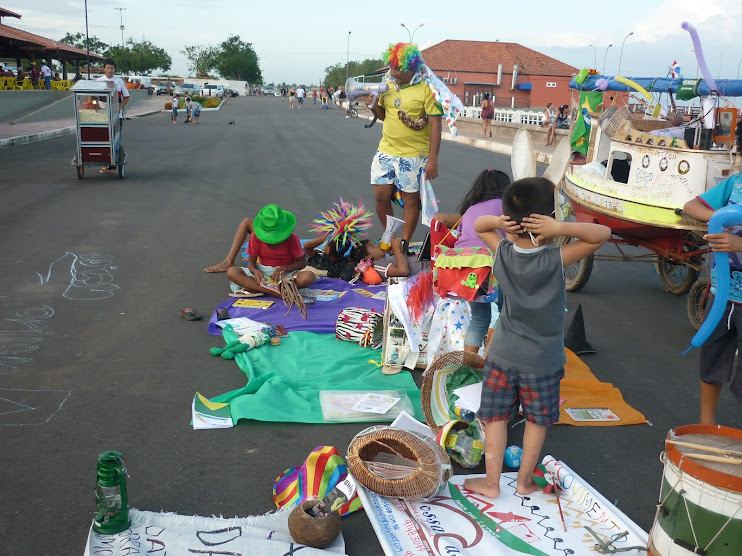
{"type": "Point", "coordinates": [269, 92]}
{"type": "Point", "coordinates": [231, 93]}
{"type": "Point", "coordinates": [188, 89]}
{"type": "Point", "coordinates": [141, 82]}
{"type": "Point", "coordinates": [209, 90]}
{"type": "Point", "coordinates": [277, 94]}
{"type": "Point", "coordinates": [161, 88]}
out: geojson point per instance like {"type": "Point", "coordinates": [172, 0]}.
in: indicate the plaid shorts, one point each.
{"type": "Point", "coordinates": [504, 389]}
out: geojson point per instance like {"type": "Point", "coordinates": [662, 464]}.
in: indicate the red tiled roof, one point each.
{"type": "Point", "coordinates": [8, 13]}
{"type": "Point", "coordinates": [484, 57]}
{"type": "Point", "coordinates": [13, 34]}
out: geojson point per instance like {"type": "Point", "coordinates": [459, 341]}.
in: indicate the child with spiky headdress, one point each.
{"type": "Point", "coordinates": [412, 111]}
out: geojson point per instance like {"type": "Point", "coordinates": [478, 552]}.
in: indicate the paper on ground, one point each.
{"type": "Point", "coordinates": [168, 533]}
{"type": "Point", "coordinates": [469, 396]}
{"type": "Point", "coordinates": [210, 415]}
{"type": "Point", "coordinates": [407, 422]}
{"type": "Point", "coordinates": [375, 403]}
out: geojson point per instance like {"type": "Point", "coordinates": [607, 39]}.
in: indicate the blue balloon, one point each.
{"type": "Point", "coordinates": [730, 215]}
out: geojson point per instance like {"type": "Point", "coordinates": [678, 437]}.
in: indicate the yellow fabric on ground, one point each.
{"type": "Point", "coordinates": [581, 389]}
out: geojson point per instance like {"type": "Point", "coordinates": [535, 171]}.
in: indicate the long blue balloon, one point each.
{"type": "Point", "coordinates": [730, 215]}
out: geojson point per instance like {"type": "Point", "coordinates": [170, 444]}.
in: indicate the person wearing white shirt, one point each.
{"type": "Point", "coordinates": [300, 94]}
{"type": "Point", "coordinates": [46, 73]}
{"type": "Point", "coordinates": [109, 67]}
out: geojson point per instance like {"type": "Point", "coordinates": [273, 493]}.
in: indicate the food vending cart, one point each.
{"type": "Point", "coordinates": [98, 127]}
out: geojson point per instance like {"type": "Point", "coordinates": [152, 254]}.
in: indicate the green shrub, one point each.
{"type": "Point", "coordinates": [200, 100]}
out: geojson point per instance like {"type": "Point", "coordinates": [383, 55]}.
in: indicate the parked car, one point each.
{"type": "Point", "coordinates": [188, 89]}
{"type": "Point", "coordinates": [140, 82]}
{"type": "Point", "coordinates": [270, 92]}
{"type": "Point", "coordinates": [161, 88]}
{"type": "Point", "coordinates": [209, 90]}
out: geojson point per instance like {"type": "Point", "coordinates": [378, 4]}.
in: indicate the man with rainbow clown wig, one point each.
{"type": "Point", "coordinates": [411, 109]}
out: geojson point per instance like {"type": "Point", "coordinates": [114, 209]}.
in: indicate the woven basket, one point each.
{"type": "Point", "coordinates": [431, 475]}
{"type": "Point", "coordinates": [460, 358]}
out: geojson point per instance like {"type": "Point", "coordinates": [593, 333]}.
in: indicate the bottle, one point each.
{"type": "Point", "coordinates": [464, 414]}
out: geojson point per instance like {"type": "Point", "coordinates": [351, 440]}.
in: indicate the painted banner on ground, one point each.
{"type": "Point", "coordinates": [462, 522]}
{"type": "Point", "coordinates": [168, 533]}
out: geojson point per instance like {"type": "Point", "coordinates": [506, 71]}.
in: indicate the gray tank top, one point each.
{"type": "Point", "coordinates": [529, 335]}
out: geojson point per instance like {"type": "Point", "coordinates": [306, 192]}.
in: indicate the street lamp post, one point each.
{"type": "Point", "coordinates": [87, 37]}
{"type": "Point", "coordinates": [121, 16]}
{"type": "Point", "coordinates": [740, 62]}
{"type": "Point", "coordinates": [347, 57]}
{"type": "Point", "coordinates": [411, 34]}
{"type": "Point", "coordinates": [604, 57]}
{"type": "Point", "coordinates": [595, 56]}
{"type": "Point", "coordinates": [621, 56]}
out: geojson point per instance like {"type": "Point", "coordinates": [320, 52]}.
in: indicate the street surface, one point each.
{"type": "Point", "coordinates": [86, 368]}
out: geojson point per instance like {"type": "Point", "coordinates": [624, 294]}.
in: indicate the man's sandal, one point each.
{"type": "Point", "coordinates": [190, 314]}
{"type": "Point", "coordinates": [245, 293]}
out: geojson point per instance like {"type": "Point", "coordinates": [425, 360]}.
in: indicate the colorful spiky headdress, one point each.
{"type": "Point", "coordinates": [404, 55]}
{"type": "Point", "coordinates": [344, 223]}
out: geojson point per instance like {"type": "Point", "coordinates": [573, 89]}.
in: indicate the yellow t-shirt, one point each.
{"type": "Point", "coordinates": [397, 139]}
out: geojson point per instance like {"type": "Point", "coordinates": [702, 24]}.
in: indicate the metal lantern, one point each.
{"type": "Point", "coordinates": [110, 495]}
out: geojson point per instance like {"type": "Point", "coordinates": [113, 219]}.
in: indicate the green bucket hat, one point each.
{"type": "Point", "coordinates": [273, 224]}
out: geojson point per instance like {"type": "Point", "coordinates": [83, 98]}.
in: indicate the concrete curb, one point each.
{"type": "Point", "coordinates": [35, 137]}
{"type": "Point", "coordinates": [53, 133]}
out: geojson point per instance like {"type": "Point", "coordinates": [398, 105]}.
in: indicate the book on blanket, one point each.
{"type": "Point", "coordinates": [210, 415]}
{"type": "Point", "coordinates": [271, 283]}
{"type": "Point", "coordinates": [252, 303]}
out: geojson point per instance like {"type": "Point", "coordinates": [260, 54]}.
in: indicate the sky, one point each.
{"type": "Point", "coordinates": [296, 41]}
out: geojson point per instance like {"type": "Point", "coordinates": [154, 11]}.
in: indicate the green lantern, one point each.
{"type": "Point", "coordinates": [110, 495]}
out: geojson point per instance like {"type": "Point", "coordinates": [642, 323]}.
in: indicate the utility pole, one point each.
{"type": "Point", "coordinates": [87, 37]}
{"type": "Point", "coordinates": [347, 57]}
{"type": "Point", "coordinates": [121, 14]}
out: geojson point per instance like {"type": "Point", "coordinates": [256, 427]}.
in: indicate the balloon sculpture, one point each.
{"type": "Point", "coordinates": [634, 85]}
{"type": "Point", "coordinates": [699, 55]}
{"type": "Point", "coordinates": [601, 84]}
{"type": "Point", "coordinates": [727, 216]}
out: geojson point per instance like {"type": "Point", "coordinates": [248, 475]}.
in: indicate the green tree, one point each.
{"type": "Point", "coordinates": [335, 75]}
{"type": "Point", "coordinates": [201, 59]}
{"type": "Point", "coordinates": [97, 46]}
{"type": "Point", "coordinates": [140, 58]}
{"type": "Point", "coordinates": [235, 59]}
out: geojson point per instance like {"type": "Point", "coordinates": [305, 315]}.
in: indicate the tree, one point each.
{"type": "Point", "coordinates": [235, 59]}
{"type": "Point", "coordinates": [201, 59]}
{"type": "Point", "coordinates": [335, 75]}
{"type": "Point", "coordinates": [97, 46]}
{"type": "Point", "coordinates": [140, 58]}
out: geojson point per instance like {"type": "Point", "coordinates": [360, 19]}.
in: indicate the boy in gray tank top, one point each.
{"type": "Point", "coordinates": [525, 360]}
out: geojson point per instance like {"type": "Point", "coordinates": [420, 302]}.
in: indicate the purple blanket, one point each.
{"type": "Point", "coordinates": [321, 316]}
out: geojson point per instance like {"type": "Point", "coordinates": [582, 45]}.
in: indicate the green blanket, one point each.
{"type": "Point", "coordinates": [284, 382]}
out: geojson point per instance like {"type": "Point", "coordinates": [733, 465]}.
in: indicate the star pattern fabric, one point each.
{"type": "Point", "coordinates": [448, 326]}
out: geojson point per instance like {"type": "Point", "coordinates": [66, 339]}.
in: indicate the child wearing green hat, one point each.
{"type": "Point", "coordinates": [273, 250]}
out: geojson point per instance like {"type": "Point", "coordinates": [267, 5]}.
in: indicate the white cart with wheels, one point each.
{"type": "Point", "coordinates": [98, 127]}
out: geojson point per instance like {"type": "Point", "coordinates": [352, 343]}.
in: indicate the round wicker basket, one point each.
{"type": "Point", "coordinates": [431, 464]}
{"type": "Point", "coordinates": [461, 358]}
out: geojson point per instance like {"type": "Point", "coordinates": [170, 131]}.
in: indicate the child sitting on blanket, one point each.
{"type": "Point", "coordinates": [525, 360]}
{"type": "Point", "coordinates": [274, 251]}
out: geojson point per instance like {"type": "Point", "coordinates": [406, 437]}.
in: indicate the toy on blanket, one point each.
{"type": "Point", "coordinates": [367, 273]}
{"type": "Point", "coordinates": [242, 344]}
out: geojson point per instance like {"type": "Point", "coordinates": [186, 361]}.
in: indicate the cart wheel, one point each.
{"type": "Point", "coordinates": [122, 171]}
{"type": "Point", "coordinates": [577, 275]}
{"type": "Point", "coordinates": [80, 172]}
{"type": "Point", "coordinates": [676, 277]}
{"type": "Point", "coordinates": [698, 298]}
{"type": "Point", "coordinates": [121, 165]}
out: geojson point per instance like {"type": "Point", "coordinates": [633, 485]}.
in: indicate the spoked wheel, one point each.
{"type": "Point", "coordinates": [121, 163]}
{"type": "Point", "coordinates": [676, 277]}
{"type": "Point", "coordinates": [698, 298]}
{"type": "Point", "coordinates": [80, 172]}
{"type": "Point", "coordinates": [577, 275]}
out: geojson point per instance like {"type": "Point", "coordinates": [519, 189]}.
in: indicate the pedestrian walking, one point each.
{"type": "Point", "coordinates": [46, 73]}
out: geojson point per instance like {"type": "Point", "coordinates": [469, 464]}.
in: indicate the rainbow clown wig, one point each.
{"type": "Point", "coordinates": [404, 56]}
{"type": "Point", "coordinates": [344, 225]}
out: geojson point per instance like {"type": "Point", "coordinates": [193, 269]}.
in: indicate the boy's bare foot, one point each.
{"type": "Point", "coordinates": [221, 267]}
{"type": "Point", "coordinates": [527, 488]}
{"type": "Point", "coordinates": [483, 486]}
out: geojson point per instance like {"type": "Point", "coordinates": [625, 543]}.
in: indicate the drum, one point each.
{"type": "Point", "coordinates": [700, 503]}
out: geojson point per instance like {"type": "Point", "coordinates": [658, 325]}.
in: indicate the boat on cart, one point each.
{"type": "Point", "coordinates": [636, 177]}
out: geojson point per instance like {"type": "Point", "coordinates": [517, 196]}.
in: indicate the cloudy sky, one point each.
{"type": "Point", "coordinates": [296, 41]}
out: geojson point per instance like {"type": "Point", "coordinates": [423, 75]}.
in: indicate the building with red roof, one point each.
{"type": "Point", "coordinates": [514, 75]}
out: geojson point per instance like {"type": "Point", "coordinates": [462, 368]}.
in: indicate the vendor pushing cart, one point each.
{"type": "Point", "coordinates": [98, 115]}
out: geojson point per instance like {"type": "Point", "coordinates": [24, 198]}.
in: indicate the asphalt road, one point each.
{"type": "Point", "coordinates": [85, 369]}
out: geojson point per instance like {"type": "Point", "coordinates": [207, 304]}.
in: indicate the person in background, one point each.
{"type": "Point", "coordinates": [549, 123]}
{"type": "Point", "coordinates": [176, 101]}
{"type": "Point", "coordinates": [488, 113]}
{"type": "Point", "coordinates": [195, 112]}
{"type": "Point", "coordinates": [562, 120]}
{"type": "Point", "coordinates": [57, 77]}
{"type": "Point", "coordinates": [314, 96]}
{"type": "Point", "coordinates": [189, 108]}
{"type": "Point", "coordinates": [292, 95]}
{"type": "Point", "coordinates": [9, 73]}
{"type": "Point", "coordinates": [300, 94]}
{"type": "Point", "coordinates": [109, 67]}
{"type": "Point", "coordinates": [21, 75]}
{"type": "Point", "coordinates": [35, 74]}
{"type": "Point", "coordinates": [46, 73]}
